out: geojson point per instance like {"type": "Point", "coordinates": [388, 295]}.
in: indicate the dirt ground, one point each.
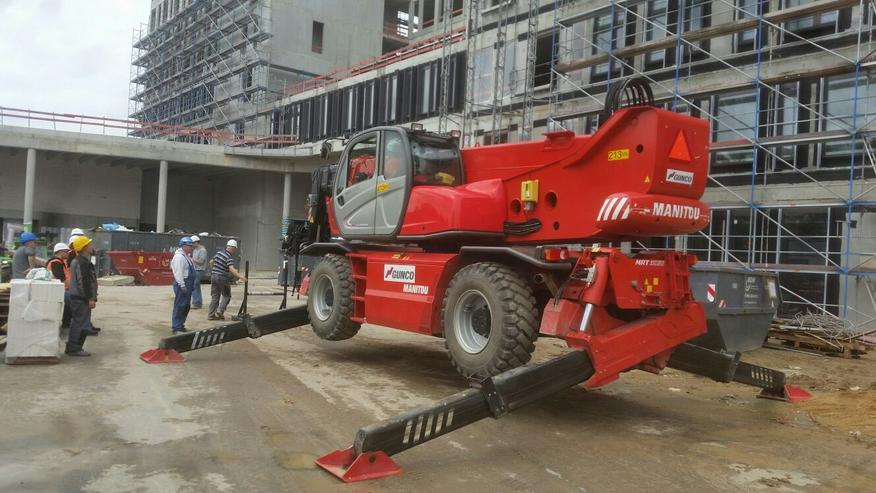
{"type": "Point", "coordinates": [253, 415]}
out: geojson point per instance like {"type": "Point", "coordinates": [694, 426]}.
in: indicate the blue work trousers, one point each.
{"type": "Point", "coordinates": [182, 301]}
{"type": "Point", "coordinates": [197, 297]}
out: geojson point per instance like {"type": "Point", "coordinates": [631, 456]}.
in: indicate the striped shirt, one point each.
{"type": "Point", "coordinates": [221, 261]}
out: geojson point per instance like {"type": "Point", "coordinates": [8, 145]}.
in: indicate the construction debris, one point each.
{"type": "Point", "coordinates": [819, 333]}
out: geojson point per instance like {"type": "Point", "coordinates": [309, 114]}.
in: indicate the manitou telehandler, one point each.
{"type": "Point", "coordinates": [491, 247]}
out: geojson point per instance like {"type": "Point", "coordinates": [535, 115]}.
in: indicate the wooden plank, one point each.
{"type": "Point", "coordinates": [710, 32]}
{"type": "Point", "coordinates": [34, 360]}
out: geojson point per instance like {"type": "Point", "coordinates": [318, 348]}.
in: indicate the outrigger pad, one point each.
{"type": "Point", "coordinates": [790, 393]}
{"type": "Point", "coordinates": [349, 467]}
{"type": "Point", "coordinates": [155, 356]}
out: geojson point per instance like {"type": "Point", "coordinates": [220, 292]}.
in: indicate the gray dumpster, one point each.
{"type": "Point", "coordinates": [739, 305]}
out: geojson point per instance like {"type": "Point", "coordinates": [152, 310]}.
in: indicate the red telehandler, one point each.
{"type": "Point", "coordinates": [492, 247]}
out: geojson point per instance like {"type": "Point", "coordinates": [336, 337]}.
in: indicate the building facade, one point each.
{"type": "Point", "coordinates": [786, 85]}
{"type": "Point", "coordinates": [222, 63]}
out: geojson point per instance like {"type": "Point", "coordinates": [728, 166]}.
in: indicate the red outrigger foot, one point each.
{"type": "Point", "coordinates": [155, 356]}
{"type": "Point", "coordinates": [791, 393]}
{"type": "Point", "coordinates": [349, 467]}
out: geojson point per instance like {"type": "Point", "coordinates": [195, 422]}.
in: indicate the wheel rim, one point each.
{"type": "Point", "coordinates": [323, 298]}
{"type": "Point", "coordinates": [472, 319]}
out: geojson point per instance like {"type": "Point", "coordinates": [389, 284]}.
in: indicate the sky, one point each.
{"type": "Point", "coordinates": [67, 56]}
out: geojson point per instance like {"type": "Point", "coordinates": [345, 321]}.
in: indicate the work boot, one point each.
{"type": "Point", "coordinates": [179, 331]}
{"type": "Point", "coordinates": [220, 316]}
{"type": "Point", "coordinates": [212, 317]}
{"type": "Point", "coordinates": [196, 307]}
{"type": "Point", "coordinates": [77, 352]}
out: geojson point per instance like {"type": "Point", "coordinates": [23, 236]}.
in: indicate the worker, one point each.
{"type": "Point", "coordinates": [222, 270]}
{"type": "Point", "coordinates": [61, 271]}
{"type": "Point", "coordinates": [76, 232]}
{"type": "Point", "coordinates": [183, 284]}
{"type": "Point", "coordinates": [199, 257]}
{"type": "Point", "coordinates": [83, 295]}
{"type": "Point", "coordinates": [24, 259]}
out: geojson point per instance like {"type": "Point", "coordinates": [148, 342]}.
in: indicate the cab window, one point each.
{"type": "Point", "coordinates": [361, 160]}
{"type": "Point", "coordinates": [393, 155]}
{"type": "Point", "coordinates": [436, 161]}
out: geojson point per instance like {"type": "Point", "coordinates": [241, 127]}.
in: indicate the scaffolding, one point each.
{"type": "Point", "coordinates": [833, 100]}
{"type": "Point", "coordinates": [206, 65]}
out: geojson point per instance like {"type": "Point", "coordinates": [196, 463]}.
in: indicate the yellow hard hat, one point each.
{"type": "Point", "coordinates": [80, 242]}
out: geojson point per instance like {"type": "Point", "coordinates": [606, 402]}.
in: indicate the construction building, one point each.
{"type": "Point", "coordinates": [787, 85]}
{"type": "Point", "coordinates": [219, 63]}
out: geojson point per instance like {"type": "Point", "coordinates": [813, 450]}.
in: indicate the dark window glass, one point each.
{"type": "Point", "coordinates": [316, 38]}
{"type": "Point", "coordinates": [435, 161]}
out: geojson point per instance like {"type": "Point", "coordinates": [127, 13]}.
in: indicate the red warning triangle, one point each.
{"type": "Point", "coordinates": [679, 149]}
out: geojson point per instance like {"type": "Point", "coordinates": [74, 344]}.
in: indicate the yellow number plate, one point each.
{"type": "Point", "coordinates": [618, 154]}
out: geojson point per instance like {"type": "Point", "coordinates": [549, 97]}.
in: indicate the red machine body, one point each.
{"type": "Point", "coordinates": [640, 175]}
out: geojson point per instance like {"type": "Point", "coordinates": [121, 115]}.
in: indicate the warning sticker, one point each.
{"type": "Point", "coordinates": [710, 292]}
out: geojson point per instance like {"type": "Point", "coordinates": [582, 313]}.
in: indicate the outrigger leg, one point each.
{"type": "Point", "coordinates": [169, 348]}
{"type": "Point", "coordinates": [369, 456]}
{"type": "Point", "coordinates": [724, 367]}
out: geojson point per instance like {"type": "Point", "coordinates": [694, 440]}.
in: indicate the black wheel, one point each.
{"type": "Point", "coordinates": [490, 320]}
{"type": "Point", "coordinates": [330, 299]}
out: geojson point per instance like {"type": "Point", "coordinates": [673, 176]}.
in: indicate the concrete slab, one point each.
{"type": "Point", "coordinates": [253, 415]}
{"type": "Point", "coordinates": [116, 281]}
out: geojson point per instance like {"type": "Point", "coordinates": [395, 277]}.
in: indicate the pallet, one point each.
{"type": "Point", "coordinates": [4, 304]}
{"type": "Point", "coordinates": [798, 340]}
{"type": "Point", "coordinates": [34, 360]}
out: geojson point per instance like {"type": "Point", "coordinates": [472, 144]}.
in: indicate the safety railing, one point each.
{"type": "Point", "coordinates": [136, 128]}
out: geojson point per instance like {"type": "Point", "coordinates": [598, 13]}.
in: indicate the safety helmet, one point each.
{"type": "Point", "coordinates": [195, 238]}
{"type": "Point", "coordinates": [77, 232]}
{"type": "Point", "coordinates": [60, 247]}
{"type": "Point", "coordinates": [27, 236]}
{"type": "Point", "coordinates": [80, 242]}
{"type": "Point", "coordinates": [231, 243]}
{"type": "Point", "coordinates": [185, 240]}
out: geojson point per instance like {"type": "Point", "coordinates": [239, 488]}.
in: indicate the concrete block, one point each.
{"type": "Point", "coordinates": [116, 281]}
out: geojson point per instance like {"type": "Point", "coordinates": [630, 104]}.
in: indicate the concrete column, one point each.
{"type": "Point", "coordinates": [287, 199]}
{"type": "Point", "coordinates": [411, 26]}
{"type": "Point", "coordinates": [29, 185]}
{"type": "Point", "coordinates": [162, 198]}
{"type": "Point", "coordinates": [436, 18]}
{"type": "Point", "coordinates": [421, 5]}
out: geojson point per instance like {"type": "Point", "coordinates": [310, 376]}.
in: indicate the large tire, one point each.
{"type": "Point", "coordinates": [330, 299]}
{"type": "Point", "coordinates": [490, 320]}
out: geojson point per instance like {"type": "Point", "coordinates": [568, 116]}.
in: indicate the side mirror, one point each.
{"type": "Point", "coordinates": [325, 150]}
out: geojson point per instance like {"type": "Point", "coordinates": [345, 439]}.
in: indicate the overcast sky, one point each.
{"type": "Point", "coordinates": [68, 56]}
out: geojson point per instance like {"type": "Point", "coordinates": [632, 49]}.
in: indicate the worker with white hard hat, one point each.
{"type": "Point", "coordinates": [221, 273]}
{"type": "Point", "coordinates": [76, 232]}
{"type": "Point", "coordinates": [57, 265]}
{"type": "Point", "coordinates": [199, 258]}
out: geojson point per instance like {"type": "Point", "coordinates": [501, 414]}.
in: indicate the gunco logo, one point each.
{"type": "Point", "coordinates": [678, 176]}
{"type": "Point", "coordinates": [399, 273]}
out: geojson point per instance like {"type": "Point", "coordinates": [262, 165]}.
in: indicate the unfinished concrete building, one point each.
{"type": "Point", "coordinates": [786, 84]}
{"type": "Point", "coordinates": [220, 63]}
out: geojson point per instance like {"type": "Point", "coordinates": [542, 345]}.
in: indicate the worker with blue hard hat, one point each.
{"type": "Point", "coordinates": [24, 259]}
{"type": "Point", "coordinates": [184, 277]}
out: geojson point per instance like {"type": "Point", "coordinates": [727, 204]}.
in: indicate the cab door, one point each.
{"type": "Point", "coordinates": [392, 182]}
{"type": "Point", "coordinates": [355, 187]}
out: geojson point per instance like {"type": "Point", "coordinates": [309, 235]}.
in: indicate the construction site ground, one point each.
{"type": "Point", "coordinates": [253, 416]}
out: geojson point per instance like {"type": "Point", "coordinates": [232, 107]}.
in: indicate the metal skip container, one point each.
{"type": "Point", "coordinates": [739, 305]}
